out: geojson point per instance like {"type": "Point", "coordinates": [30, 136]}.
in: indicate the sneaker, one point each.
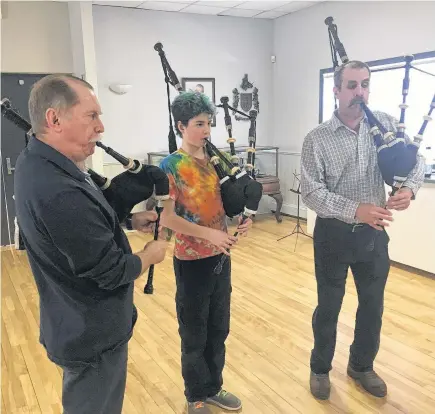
{"type": "Point", "coordinates": [320, 386]}
{"type": "Point", "coordinates": [197, 407]}
{"type": "Point", "coordinates": [370, 381]}
{"type": "Point", "coordinates": [225, 400]}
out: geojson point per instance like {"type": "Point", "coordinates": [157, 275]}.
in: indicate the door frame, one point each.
{"type": "Point", "coordinates": [13, 238]}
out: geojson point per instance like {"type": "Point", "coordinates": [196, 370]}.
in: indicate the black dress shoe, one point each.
{"type": "Point", "coordinates": [320, 385]}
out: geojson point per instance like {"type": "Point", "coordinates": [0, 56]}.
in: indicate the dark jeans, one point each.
{"type": "Point", "coordinates": [203, 311]}
{"type": "Point", "coordinates": [96, 388]}
{"type": "Point", "coordinates": [338, 246]}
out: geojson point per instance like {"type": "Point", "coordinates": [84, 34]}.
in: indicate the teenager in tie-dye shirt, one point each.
{"type": "Point", "coordinates": [194, 186]}
{"type": "Point", "coordinates": [195, 213]}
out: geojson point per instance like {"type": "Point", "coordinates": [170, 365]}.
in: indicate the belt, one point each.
{"type": "Point", "coordinates": [353, 227]}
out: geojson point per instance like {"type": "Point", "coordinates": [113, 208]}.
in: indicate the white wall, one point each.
{"type": "Point", "coordinates": [369, 30]}
{"type": "Point", "coordinates": [35, 37]}
{"type": "Point", "coordinates": [220, 47]}
{"type": "Point", "coordinates": [196, 46]}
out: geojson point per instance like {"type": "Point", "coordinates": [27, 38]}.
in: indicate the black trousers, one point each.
{"type": "Point", "coordinates": [338, 246]}
{"type": "Point", "coordinates": [96, 388]}
{"type": "Point", "coordinates": [203, 312]}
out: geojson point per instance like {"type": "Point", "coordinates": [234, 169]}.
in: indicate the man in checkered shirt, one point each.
{"type": "Point", "coordinates": [342, 183]}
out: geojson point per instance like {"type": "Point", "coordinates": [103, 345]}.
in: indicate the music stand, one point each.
{"type": "Point", "coordinates": [298, 229]}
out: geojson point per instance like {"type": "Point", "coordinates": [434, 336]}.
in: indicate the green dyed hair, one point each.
{"type": "Point", "coordinates": [190, 104]}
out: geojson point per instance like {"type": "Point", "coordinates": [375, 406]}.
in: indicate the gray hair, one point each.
{"type": "Point", "coordinates": [353, 64]}
{"type": "Point", "coordinates": [52, 91]}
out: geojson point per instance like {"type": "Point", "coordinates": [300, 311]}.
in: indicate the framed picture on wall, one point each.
{"type": "Point", "coordinates": [204, 85]}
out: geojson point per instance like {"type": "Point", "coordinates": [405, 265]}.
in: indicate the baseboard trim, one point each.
{"type": "Point", "coordinates": [301, 219]}
{"type": "Point", "coordinates": [412, 269]}
{"type": "Point", "coordinates": [292, 211]}
{"type": "Point", "coordinates": [7, 247]}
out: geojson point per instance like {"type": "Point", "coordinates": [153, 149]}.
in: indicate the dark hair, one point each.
{"type": "Point", "coordinates": [190, 104]}
{"type": "Point", "coordinates": [353, 64]}
{"type": "Point", "coordinates": [52, 91]}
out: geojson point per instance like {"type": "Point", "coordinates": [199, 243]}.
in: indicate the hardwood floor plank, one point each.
{"type": "Point", "coordinates": [7, 401]}
{"type": "Point", "coordinates": [16, 368]}
{"type": "Point", "coordinates": [3, 407]}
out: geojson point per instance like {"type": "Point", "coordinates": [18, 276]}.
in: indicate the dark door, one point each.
{"type": "Point", "coordinates": [15, 87]}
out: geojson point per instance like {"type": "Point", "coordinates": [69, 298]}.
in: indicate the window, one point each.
{"type": "Point", "coordinates": [386, 93]}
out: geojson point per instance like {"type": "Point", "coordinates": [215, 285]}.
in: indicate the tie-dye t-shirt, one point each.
{"type": "Point", "coordinates": [194, 186]}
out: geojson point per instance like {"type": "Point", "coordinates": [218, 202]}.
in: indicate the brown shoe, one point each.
{"type": "Point", "coordinates": [370, 381]}
{"type": "Point", "coordinates": [320, 385]}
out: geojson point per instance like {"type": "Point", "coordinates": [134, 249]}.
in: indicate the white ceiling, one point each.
{"type": "Point", "coordinates": [254, 9]}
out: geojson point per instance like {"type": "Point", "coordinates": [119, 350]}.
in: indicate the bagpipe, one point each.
{"type": "Point", "coordinates": [241, 193]}
{"type": "Point", "coordinates": [252, 137]}
{"type": "Point", "coordinates": [138, 183]}
{"type": "Point", "coordinates": [396, 157]}
{"type": "Point", "coordinates": [123, 192]}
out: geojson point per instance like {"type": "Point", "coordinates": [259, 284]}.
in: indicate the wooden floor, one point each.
{"type": "Point", "coordinates": [268, 350]}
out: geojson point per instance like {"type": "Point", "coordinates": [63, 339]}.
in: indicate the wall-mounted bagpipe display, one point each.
{"type": "Point", "coordinates": [396, 157]}
{"type": "Point", "coordinates": [123, 192]}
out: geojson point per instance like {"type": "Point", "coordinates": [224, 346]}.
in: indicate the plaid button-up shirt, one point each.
{"type": "Point", "coordinates": [339, 169]}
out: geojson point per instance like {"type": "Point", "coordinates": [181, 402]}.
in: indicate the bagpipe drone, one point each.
{"type": "Point", "coordinates": [241, 193]}
{"type": "Point", "coordinates": [396, 157]}
{"type": "Point", "coordinates": [123, 192]}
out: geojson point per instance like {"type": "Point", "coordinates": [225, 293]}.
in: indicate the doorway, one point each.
{"type": "Point", "coordinates": [16, 87]}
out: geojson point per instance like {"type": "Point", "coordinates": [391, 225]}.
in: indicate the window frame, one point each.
{"type": "Point", "coordinates": [374, 65]}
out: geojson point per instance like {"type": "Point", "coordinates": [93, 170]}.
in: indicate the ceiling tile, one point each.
{"type": "Point", "coordinates": [247, 9]}
{"type": "Point", "coordinates": [296, 5]}
{"type": "Point", "coordinates": [271, 14]}
{"type": "Point", "coordinates": [239, 12]}
{"type": "Point", "coordinates": [118, 3]}
{"type": "Point", "coordinates": [219, 3]}
{"type": "Point", "coordinates": [261, 5]}
{"type": "Point", "coordinates": [172, 1]}
{"type": "Point", "coordinates": [163, 5]}
{"type": "Point", "coordinates": [194, 8]}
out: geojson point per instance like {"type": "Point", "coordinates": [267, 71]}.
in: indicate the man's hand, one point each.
{"type": "Point", "coordinates": [401, 200]}
{"type": "Point", "coordinates": [373, 215]}
{"type": "Point", "coordinates": [243, 228]}
{"type": "Point", "coordinates": [156, 251]}
{"type": "Point", "coordinates": [221, 240]}
{"type": "Point", "coordinates": [145, 221]}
